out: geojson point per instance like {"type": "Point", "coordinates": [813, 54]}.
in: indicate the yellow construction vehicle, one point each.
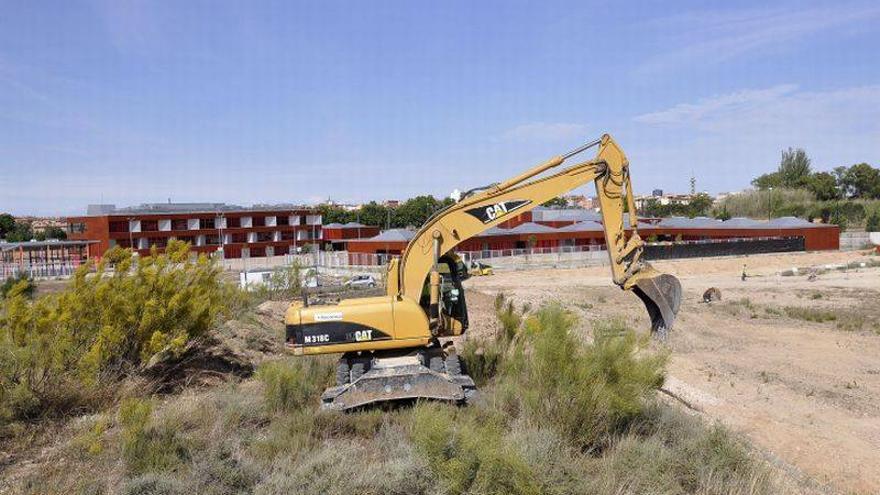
{"type": "Point", "coordinates": [391, 344]}
{"type": "Point", "coordinates": [479, 269]}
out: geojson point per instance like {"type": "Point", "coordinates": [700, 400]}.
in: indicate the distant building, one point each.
{"type": "Point", "coordinates": [391, 203]}
{"type": "Point", "coordinates": [663, 199]}
{"type": "Point", "coordinates": [581, 201]}
{"type": "Point", "coordinates": [565, 230]}
{"type": "Point", "coordinates": [42, 258]}
{"type": "Point", "coordinates": [41, 224]}
{"type": "Point", "coordinates": [236, 231]}
{"type": "Point", "coordinates": [337, 235]}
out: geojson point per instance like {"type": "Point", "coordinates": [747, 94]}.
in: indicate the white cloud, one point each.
{"type": "Point", "coordinates": [544, 131]}
{"type": "Point", "coordinates": [717, 36]}
{"type": "Point", "coordinates": [707, 107]}
{"type": "Point", "coordinates": [781, 110]}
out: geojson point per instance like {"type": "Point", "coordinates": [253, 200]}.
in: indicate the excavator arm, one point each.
{"type": "Point", "coordinates": [490, 206]}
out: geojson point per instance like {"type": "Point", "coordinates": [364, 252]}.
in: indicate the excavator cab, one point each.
{"type": "Point", "coordinates": [453, 307]}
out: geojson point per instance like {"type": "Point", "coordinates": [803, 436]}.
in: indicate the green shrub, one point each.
{"type": "Point", "coordinates": [873, 222]}
{"type": "Point", "coordinates": [145, 447]}
{"type": "Point", "coordinates": [469, 455]}
{"type": "Point", "coordinates": [817, 315]}
{"type": "Point", "coordinates": [482, 359]}
{"type": "Point", "coordinates": [508, 317]}
{"type": "Point", "coordinates": [21, 284]}
{"type": "Point", "coordinates": [586, 392]}
{"type": "Point", "coordinates": [291, 384]}
{"type": "Point", "coordinates": [63, 352]}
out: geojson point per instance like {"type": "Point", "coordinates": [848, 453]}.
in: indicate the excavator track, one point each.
{"type": "Point", "coordinates": [394, 378]}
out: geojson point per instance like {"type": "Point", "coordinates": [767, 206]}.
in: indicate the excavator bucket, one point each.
{"type": "Point", "coordinates": [661, 294]}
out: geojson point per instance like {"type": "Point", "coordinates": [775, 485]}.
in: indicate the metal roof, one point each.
{"type": "Point", "coordinates": [531, 228]}
{"type": "Point", "coordinates": [334, 225]}
{"type": "Point", "coordinates": [9, 246]}
{"type": "Point", "coordinates": [791, 222]}
{"type": "Point", "coordinates": [544, 214]}
{"type": "Point", "coordinates": [587, 226]}
{"type": "Point", "coordinates": [493, 231]}
{"type": "Point", "coordinates": [186, 208]}
{"type": "Point", "coordinates": [743, 223]}
{"type": "Point", "coordinates": [690, 223]}
{"type": "Point", "coordinates": [353, 225]}
{"type": "Point", "coordinates": [393, 235]}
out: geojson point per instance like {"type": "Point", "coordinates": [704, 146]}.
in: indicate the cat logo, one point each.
{"type": "Point", "coordinates": [363, 335]}
{"type": "Point", "coordinates": [487, 214]}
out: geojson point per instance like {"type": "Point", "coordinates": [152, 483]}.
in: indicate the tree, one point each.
{"type": "Point", "coordinates": [335, 214]}
{"type": "Point", "coordinates": [767, 181]}
{"type": "Point", "coordinates": [861, 181]}
{"type": "Point", "coordinates": [414, 212]}
{"type": "Point", "coordinates": [373, 213]}
{"type": "Point", "coordinates": [724, 214]}
{"type": "Point", "coordinates": [51, 233]}
{"type": "Point", "coordinates": [7, 224]}
{"type": "Point", "coordinates": [794, 168]}
{"type": "Point", "coordinates": [699, 205]}
{"type": "Point", "coordinates": [556, 202]}
{"type": "Point", "coordinates": [873, 223]}
{"type": "Point", "coordinates": [824, 186]}
{"type": "Point", "coordinates": [21, 232]}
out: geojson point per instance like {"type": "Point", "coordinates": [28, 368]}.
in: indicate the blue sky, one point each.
{"type": "Point", "coordinates": [126, 102]}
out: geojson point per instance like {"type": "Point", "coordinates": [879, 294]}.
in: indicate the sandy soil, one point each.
{"type": "Point", "coordinates": [805, 393]}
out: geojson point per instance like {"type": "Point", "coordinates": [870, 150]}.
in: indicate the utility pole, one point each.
{"type": "Point", "coordinates": [770, 203]}
{"type": "Point", "coordinates": [693, 184]}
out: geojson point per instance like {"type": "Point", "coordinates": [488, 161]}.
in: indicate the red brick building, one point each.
{"type": "Point", "coordinates": [209, 227]}
{"type": "Point", "coordinates": [566, 233]}
{"type": "Point", "coordinates": [337, 235]}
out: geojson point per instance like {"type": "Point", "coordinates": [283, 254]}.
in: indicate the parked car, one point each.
{"type": "Point", "coordinates": [360, 281]}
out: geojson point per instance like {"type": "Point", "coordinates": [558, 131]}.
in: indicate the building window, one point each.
{"type": "Point", "coordinates": [149, 226]}
{"type": "Point", "coordinates": [212, 240]}
{"type": "Point", "coordinates": [239, 237]}
{"type": "Point", "coordinates": [119, 226]}
{"type": "Point", "coordinates": [264, 237]}
{"type": "Point", "coordinates": [233, 222]}
{"type": "Point", "coordinates": [283, 220]}
{"type": "Point", "coordinates": [77, 228]}
{"type": "Point", "coordinates": [159, 242]}
{"type": "Point", "coordinates": [179, 225]}
{"type": "Point", "coordinates": [207, 223]}
{"type": "Point", "coordinates": [259, 222]}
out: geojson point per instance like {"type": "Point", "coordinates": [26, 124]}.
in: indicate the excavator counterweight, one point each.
{"type": "Point", "coordinates": [397, 346]}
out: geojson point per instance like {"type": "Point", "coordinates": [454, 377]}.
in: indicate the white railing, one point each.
{"type": "Point", "coordinates": [502, 253]}
{"type": "Point", "coordinates": [37, 270]}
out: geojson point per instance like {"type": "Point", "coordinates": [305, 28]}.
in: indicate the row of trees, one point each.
{"type": "Point", "coordinates": [14, 231]}
{"type": "Point", "coordinates": [700, 205]}
{"type": "Point", "coordinates": [860, 181]}
{"type": "Point", "coordinates": [411, 213]}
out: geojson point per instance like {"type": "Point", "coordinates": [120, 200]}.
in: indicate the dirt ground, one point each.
{"type": "Point", "coordinates": [806, 393]}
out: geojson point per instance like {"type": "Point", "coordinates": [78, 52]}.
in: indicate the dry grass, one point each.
{"type": "Point", "coordinates": [557, 416]}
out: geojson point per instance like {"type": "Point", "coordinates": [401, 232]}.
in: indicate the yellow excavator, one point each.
{"type": "Point", "coordinates": [393, 345]}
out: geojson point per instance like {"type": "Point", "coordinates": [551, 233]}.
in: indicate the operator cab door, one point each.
{"type": "Point", "coordinates": [453, 305]}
